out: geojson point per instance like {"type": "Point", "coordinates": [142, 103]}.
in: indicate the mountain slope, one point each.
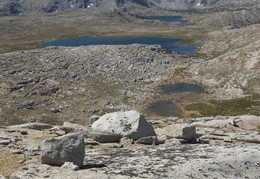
{"type": "Point", "coordinates": [15, 7]}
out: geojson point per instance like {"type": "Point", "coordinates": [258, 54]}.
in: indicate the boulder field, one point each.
{"type": "Point", "coordinates": [221, 147]}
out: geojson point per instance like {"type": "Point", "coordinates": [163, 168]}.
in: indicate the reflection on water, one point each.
{"type": "Point", "coordinates": [168, 43]}
{"type": "Point", "coordinates": [169, 108]}
{"type": "Point", "coordinates": [181, 87]}
{"type": "Point", "coordinates": [165, 108]}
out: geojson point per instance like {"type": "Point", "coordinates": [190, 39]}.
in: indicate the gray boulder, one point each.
{"type": "Point", "coordinates": [71, 127]}
{"type": "Point", "coordinates": [5, 142]}
{"type": "Point", "coordinates": [68, 148]}
{"type": "Point", "coordinates": [112, 145]}
{"type": "Point", "coordinates": [151, 140]}
{"type": "Point", "coordinates": [248, 122]}
{"type": "Point", "coordinates": [70, 166]}
{"type": "Point", "coordinates": [34, 126]}
{"type": "Point", "coordinates": [97, 135]}
{"type": "Point", "coordinates": [129, 124]}
{"type": "Point", "coordinates": [179, 131]}
{"type": "Point", "coordinates": [102, 136]}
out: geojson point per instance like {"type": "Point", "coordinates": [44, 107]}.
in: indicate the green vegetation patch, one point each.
{"type": "Point", "coordinates": [203, 108]}
{"type": "Point", "coordinates": [233, 107]}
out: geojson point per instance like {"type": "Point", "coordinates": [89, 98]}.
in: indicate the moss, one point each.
{"type": "Point", "coordinates": [238, 106]}
{"type": "Point", "coordinates": [233, 107]}
{"type": "Point", "coordinates": [203, 108]}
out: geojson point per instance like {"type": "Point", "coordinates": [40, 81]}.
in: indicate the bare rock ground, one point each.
{"type": "Point", "coordinates": [227, 147]}
{"type": "Point", "coordinates": [43, 85]}
{"type": "Point", "coordinates": [181, 161]}
{"type": "Point", "coordinates": [72, 83]}
{"type": "Point", "coordinates": [240, 62]}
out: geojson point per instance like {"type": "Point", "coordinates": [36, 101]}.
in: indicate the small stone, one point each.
{"type": "Point", "coordinates": [179, 141]}
{"type": "Point", "coordinates": [5, 142]}
{"type": "Point", "coordinates": [151, 140]}
{"type": "Point", "coordinates": [126, 141]}
{"type": "Point", "coordinates": [55, 110]}
{"type": "Point", "coordinates": [24, 132]}
{"type": "Point", "coordinates": [91, 142]}
{"type": "Point", "coordinates": [35, 126]}
{"type": "Point", "coordinates": [16, 151]}
{"type": "Point", "coordinates": [59, 133]}
{"type": "Point", "coordinates": [227, 139]}
{"type": "Point", "coordinates": [70, 166]}
{"type": "Point", "coordinates": [112, 145]}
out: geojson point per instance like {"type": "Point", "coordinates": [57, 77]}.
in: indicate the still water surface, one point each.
{"type": "Point", "coordinates": [171, 19]}
{"type": "Point", "coordinates": [168, 43]}
{"type": "Point", "coordinates": [182, 87]}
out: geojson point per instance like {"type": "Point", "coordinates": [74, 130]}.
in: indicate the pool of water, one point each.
{"type": "Point", "coordinates": [168, 43]}
{"type": "Point", "coordinates": [181, 87]}
{"type": "Point", "coordinates": [165, 108]}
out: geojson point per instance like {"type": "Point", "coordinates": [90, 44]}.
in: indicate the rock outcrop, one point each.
{"type": "Point", "coordinates": [179, 131]}
{"type": "Point", "coordinates": [129, 124]}
{"type": "Point", "coordinates": [226, 146]}
{"type": "Point", "coordinates": [35, 126]}
{"type": "Point", "coordinates": [68, 148]}
{"type": "Point", "coordinates": [97, 135]}
{"type": "Point", "coordinates": [102, 78]}
{"type": "Point", "coordinates": [173, 161]}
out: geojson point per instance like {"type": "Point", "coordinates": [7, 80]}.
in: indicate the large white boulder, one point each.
{"type": "Point", "coordinates": [129, 124]}
{"type": "Point", "coordinates": [97, 135]}
{"type": "Point", "coordinates": [68, 148]}
{"type": "Point", "coordinates": [179, 131]}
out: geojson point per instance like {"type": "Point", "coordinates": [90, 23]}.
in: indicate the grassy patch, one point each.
{"type": "Point", "coordinates": [203, 108]}
{"type": "Point", "coordinates": [241, 106]}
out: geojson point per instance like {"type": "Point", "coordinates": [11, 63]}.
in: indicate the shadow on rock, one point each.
{"type": "Point", "coordinates": [89, 166]}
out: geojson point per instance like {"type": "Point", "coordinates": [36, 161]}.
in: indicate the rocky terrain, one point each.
{"type": "Point", "coordinates": [58, 84]}
{"type": "Point", "coordinates": [220, 146]}
{"type": "Point", "coordinates": [49, 6]}
{"type": "Point", "coordinates": [62, 92]}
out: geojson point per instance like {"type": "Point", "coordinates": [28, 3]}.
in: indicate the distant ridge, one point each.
{"type": "Point", "coordinates": [17, 7]}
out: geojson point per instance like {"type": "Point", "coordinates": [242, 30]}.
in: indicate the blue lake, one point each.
{"type": "Point", "coordinates": [168, 43]}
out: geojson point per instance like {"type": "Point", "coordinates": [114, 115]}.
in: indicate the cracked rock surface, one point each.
{"type": "Point", "coordinates": [174, 161]}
